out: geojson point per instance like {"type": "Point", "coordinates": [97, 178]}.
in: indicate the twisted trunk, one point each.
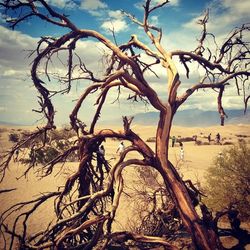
{"type": "Point", "coordinates": [203, 236]}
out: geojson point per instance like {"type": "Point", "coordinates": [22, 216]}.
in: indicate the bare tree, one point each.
{"type": "Point", "coordinates": [81, 219]}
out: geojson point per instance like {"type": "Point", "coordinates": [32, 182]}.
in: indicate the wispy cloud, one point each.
{"type": "Point", "coordinates": [154, 20]}
{"type": "Point", "coordinates": [111, 20]}
{"type": "Point", "coordinates": [12, 73]}
{"type": "Point", "coordinates": [3, 109]}
{"type": "Point", "coordinates": [224, 14]}
{"type": "Point", "coordinates": [171, 3]}
{"type": "Point", "coordinates": [62, 3]}
{"type": "Point", "coordinates": [114, 21]}
{"type": "Point", "coordinates": [17, 94]}
{"type": "Point", "coordinates": [14, 62]}
{"type": "Point", "coordinates": [15, 48]}
{"type": "Point", "coordinates": [115, 25]}
{"type": "Point", "coordinates": [93, 5]}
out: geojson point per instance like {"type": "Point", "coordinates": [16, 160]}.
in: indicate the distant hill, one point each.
{"type": "Point", "coordinates": [13, 124]}
{"type": "Point", "coordinates": [10, 123]}
{"type": "Point", "coordinates": [186, 118]}
{"type": "Point", "coordinates": [195, 117]}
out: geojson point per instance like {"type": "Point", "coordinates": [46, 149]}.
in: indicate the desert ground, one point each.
{"type": "Point", "coordinates": [197, 159]}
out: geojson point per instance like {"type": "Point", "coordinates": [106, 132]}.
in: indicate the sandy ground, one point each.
{"type": "Point", "coordinates": [197, 160]}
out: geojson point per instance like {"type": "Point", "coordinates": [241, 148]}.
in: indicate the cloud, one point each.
{"type": "Point", "coordinates": [12, 73]}
{"type": "Point", "coordinates": [110, 19]}
{"type": "Point", "coordinates": [171, 2]}
{"type": "Point", "coordinates": [232, 6]}
{"type": "Point", "coordinates": [154, 20]}
{"type": "Point", "coordinates": [3, 109]}
{"type": "Point", "coordinates": [115, 21]}
{"type": "Point", "coordinates": [15, 84]}
{"type": "Point", "coordinates": [14, 50]}
{"type": "Point", "coordinates": [62, 3]}
{"type": "Point", "coordinates": [16, 46]}
{"type": "Point", "coordinates": [92, 5]}
{"type": "Point", "coordinates": [116, 25]}
{"type": "Point", "coordinates": [223, 15]}
{"type": "Point", "coordinates": [117, 14]}
{"type": "Point", "coordinates": [174, 2]}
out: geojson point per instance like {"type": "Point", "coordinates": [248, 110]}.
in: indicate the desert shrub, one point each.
{"type": "Point", "coordinates": [186, 139]}
{"type": "Point", "coordinates": [198, 142]}
{"type": "Point", "coordinates": [50, 154]}
{"type": "Point", "coordinates": [228, 181]}
{"type": "Point", "coordinates": [43, 155]}
{"type": "Point", "coordinates": [13, 137]}
{"type": "Point", "coordinates": [59, 137]}
{"type": "Point", "coordinates": [227, 143]}
{"type": "Point", "coordinates": [242, 136]}
{"type": "Point", "coordinates": [39, 156]}
{"type": "Point", "coordinates": [62, 145]}
{"type": "Point", "coordinates": [39, 140]}
{"type": "Point", "coordinates": [60, 134]}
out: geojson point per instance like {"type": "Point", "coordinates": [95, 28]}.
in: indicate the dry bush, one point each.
{"type": "Point", "coordinates": [13, 137]}
{"type": "Point", "coordinates": [228, 181]}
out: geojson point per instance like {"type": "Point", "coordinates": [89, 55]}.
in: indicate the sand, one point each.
{"type": "Point", "coordinates": [197, 159]}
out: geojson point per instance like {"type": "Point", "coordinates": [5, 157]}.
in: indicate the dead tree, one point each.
{"type": "Point", "coordinates": [82, 222]}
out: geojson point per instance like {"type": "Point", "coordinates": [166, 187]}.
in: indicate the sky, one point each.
{"type": "Point", "coordinates": [178, 20]}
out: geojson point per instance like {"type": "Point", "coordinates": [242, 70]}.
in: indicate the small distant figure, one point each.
{"type": "Point", "coordinates": [120, 148]}
{"type": "Point", "coordinates": [101, 150]}
{"type": "Point", "coordinates": [182, 153]}
{"type": "Point", "coordinates": [16, 155]}
{"type": "Point", "coordinates": [209, 138]}
{"type": "Point", "coordinates": [220, 155]}
{"type": "Point", "coordinates": [218, 138]}
{"type": "Point", "coordinates": [181, 144]}
{"type": "Point", "coordinates": [173, 141]}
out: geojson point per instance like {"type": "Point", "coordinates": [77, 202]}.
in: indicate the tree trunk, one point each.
{"type": "Point", "coordinates": [204, 238]}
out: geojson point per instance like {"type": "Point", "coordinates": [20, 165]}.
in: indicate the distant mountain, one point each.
{"type": "Point", "coordinates": [195, 117]}
{"type": "Point", "coordinates": [187, 118]}
{"type": "Point", "coordinates": [13, 124]}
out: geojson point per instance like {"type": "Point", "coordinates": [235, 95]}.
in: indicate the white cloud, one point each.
{"type": "Point", "coordinates": [192, 24]}
{"type": "Point", "coordinates": [117, 14]}
{"type": "Point", "coordinates": [62, 3]}
{"type": "Point", "coordinates": [171, 2]}
{"type": "Point", "coordinates": [223, 14]}
{"type": "Point", "coordinates": [174, 2]}
{"type": "Point", "coordinates": [3, 18]}
{"type": "Point", "coordinates": [116, 25]}
{"type": "Point", "coordinates": [154, 20]}
{"type": "Point", "coordinates": [14, 48]}
{"type": "Point", "coordinates": [116, 21]}
{"type": "Point", "coordinates": [93, 5]}
{"type": "Point", "coordinates": [12, 73]}
{"type": "Point", "coordinates": [238, 7]}
{"type": "Point", "coordinates": [2, 109]}
{"type": "Point", "coordinates": [15, 91]}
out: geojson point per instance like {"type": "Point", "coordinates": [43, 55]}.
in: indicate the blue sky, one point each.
{"type": "Point", "coordinates": [177, 19]}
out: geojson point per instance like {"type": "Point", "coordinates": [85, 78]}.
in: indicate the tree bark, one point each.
{"type": "Point", "coordinates": [204, 238]}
